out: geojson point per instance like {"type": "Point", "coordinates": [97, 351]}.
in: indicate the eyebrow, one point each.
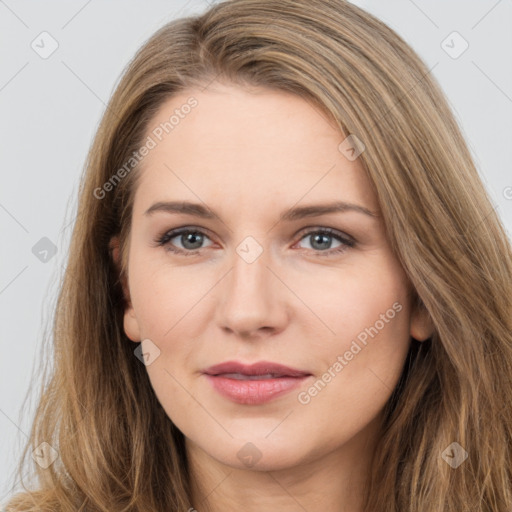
{"type": "Point", "coordinates": [300, 212]}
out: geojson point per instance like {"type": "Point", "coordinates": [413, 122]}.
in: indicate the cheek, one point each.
{"type": "Point", "coordinates": [166, 298]}
{"type": "Point", "coordinates": [168, 308]}
{"type": "Point", "coordinates": [171, 308]}
{"type": "Point", "coordinates": [365, 357]}
{"type": "Point", "coordinates": [362, 301]}
{"type": "Point", "coordinates": [367, 311]}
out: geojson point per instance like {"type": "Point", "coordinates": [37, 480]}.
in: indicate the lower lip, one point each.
{"type": "Point", "coordinates": [254, 392]}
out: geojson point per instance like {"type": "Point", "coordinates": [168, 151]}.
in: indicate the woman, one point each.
{"type": "Point", "coordinates": [248, 370]}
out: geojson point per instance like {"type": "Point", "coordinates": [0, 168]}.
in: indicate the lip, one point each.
{"type": "Point", "coordinates": [259, 368]}
{"type": "Point", "coordinates": [254, 391]}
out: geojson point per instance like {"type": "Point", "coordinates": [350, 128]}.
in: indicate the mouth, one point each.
{"type": "Point", "coordinates": [261, 369]}
{"type": "Point", "coordinates": [241, 376]}
{"type": "Point", "coordinates": [254, 384]}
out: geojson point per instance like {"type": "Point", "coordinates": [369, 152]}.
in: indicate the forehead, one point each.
{"type": "Point", "coordinates": [248, 145]}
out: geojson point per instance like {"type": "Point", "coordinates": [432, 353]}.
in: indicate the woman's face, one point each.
{"type": "Point", "coordinates": [258, 278]}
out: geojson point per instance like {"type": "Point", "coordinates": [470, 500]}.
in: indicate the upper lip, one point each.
{"type": "Point", "coordinates": [259, 368]}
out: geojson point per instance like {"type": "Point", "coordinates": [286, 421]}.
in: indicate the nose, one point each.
{"type": "Point", "coordinates": [253, 300]}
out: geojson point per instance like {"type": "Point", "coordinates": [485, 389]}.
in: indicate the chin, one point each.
{"type": "Point", "coordinates": [259, 454]}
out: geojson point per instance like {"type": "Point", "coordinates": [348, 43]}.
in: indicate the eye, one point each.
{"type": "Point", "coordinates": [191, 240]}
{"type": "Point", "coordinates": [320, 240]}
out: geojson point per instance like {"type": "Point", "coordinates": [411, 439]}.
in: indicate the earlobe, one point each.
{"type": "Point", "coordinates": [422, 326]}
{"type": "Point", "coordinates": [130, 323]}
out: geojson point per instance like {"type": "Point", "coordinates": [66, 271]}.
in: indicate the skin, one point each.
{"type": "Point", "coordinates": [249, 154]}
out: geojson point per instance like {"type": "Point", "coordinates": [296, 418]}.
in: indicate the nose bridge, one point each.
{"type": "Point", "coordinates": [250, 299]}
{"type": "Point", "coordinates": [250, 275]}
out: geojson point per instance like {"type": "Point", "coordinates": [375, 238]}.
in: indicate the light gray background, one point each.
{"type": "Point", "coordinates": [51, 108]}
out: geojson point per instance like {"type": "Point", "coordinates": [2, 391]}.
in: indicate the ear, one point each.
{"type": "Point", "coordinates": [130, 323]}
{"type": "Point", "coordinates": [421, 327]}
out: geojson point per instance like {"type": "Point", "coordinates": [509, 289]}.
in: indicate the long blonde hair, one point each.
{"type": "Point", "coordinates": [118, 450]}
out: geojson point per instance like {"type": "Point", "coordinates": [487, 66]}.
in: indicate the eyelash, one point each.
{"type": "Point", "coordinates": [164, 240]}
